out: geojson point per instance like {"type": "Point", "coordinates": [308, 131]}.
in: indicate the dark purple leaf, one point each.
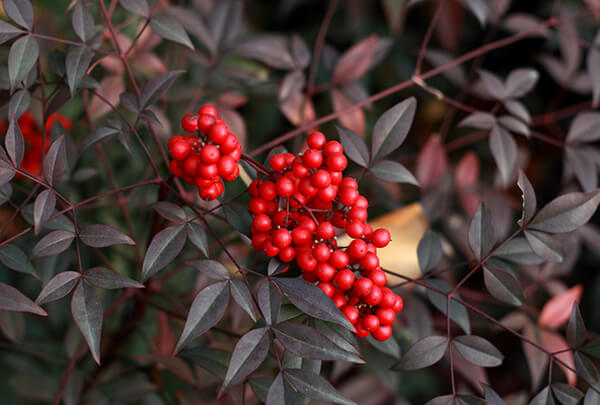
{"type": "Point", "coordinates": [354, 146]}
{"type": "Point", "coordinates": [13, 300]}
{"type": "Point", "coordinates": [83, 21]}
{"type": "Point", "coordinates": [14, 258]}
{"type": "Point", "coordinates": [20, 12]}
{"type": "Point", "coordinates": [307, 342]}
{"type": "Point", "coordinates": [313, 386]}
{"type": "Point", "coordinates": [137, 7]}
{"type": "Point", "coordinates": [55, 161]}
{"type": "Point", "coordinates": [592, 348]}
{"type": "Point", "coordinates": [43, 208]}
{"type": "Point", "coordinates": [592, 397]}
{"type": "Point", "coordinates": [197, 236]}
{"type": "Point", "coordinates": [311, 300]}
{"type": "Point", "coordinates": [442, 400]}
{"type": "Point", "coordinates": [519, 22]}
{"type": "Point", "coordinates": [504, 150]}
{"type": "Point", "coordinates": [566, 212]}
{"type": "Point", "coordinates": [87, 314]}
{"type": "Point", "coordinates": [389, 346]}
{"type": "Point", "coordinates": [513, 124]}
{"type": "Point", "coordinates": [355, 61]}
{"type": "Point", "coordinates": [566, 394]}
{"type": "Point", "coordinates": [12, 325]}
{"type": "Point", "coordinates": [529, 198]}
{"type": "Point", "coordinates": [502, 283]}
{"type": "Point", "coordinates": [544, 397]}
{"type": "Point", "coordinates": [61, 222]}
{"type": "Point", "coordinates": [479, 8]}
{"type": "Point", "coordinates": [58, 286]}
{"type": "Point", "coordinates": [242, 296]}
{"type": "Point", "coordinates": [98, 135]}
{"type": "Point", "coordinates": [194, 24]}
{"type": "Point", "coordinates": [520, 82]}
{"type": "Point", "coordinates": [392, 127]}
{"type": "Point", "coordinates": [584, 128]}
{"type": "Point", "coordinates": [293, 83]}
{"type": "Point", "coordinates": [171, 30]}
{"type": "Point", "coordinates": [275, 266]}
{"type": "Point", "coordinates": [215, 361]}
{"type": "Point", "coordinates": [545, 246]}
{"type": "Point", "coordinates": [517, 109]}
{"type": "Point", "coordinates": [269, 300]}
{"type": "Point", "coordinates": [260, 387]}
{"type": "Point", "coordinates": [388, 170]}
{"type": "Point", "coordinates": [165, 247]}
{"type": "Point", "coordinates": [281, 393]}
{"type": "Point", "coordinates": [238, 217]}
{"type": "Point", "coordinates": [130, 102]}
{"type": "Point", "coordinates": [156, 87]}
{"type": "Point", "coordinates": [482, 233]}
{"type": "Point", "coordinates": [423, 353]}
{"type": "Point", "coordinates": [225, 20]}
{"type": "Point", "coordinates": [300, 51]}
{"type": "Point", "coordinates": [250, 351]}
{"type": "Point", "coordinates": [19, 103]}
{"type": "Point", "coordinates": [170, 211]}
{"type": "Point", "coordinates": [478, 351]}
{"type": "Point", "coordinates": [429, 250]}
{"type": "Point", "coordinates": [211, 269]}
{"type": "Point", "coordinates": [492, 396]}
{"type": "Point", "coordinates": [100, 236]}
{"type": "Point", "coordinates": [458, 312]}
{"type": "Point", "coordinates": [206, 310]}
{"type": "Point", "coordinates": [593, 68]}
{"type": "Point", "coordinates": [569, 45]}
{"type": "Point", "coordinates": [77, 62]}
{"type": "Point", "coordinates": [581, 160]}
{"type": "Point", "coordinates": [7, 172]}
{"type": "Point", "coordinates": [493, 85]}
{"type": "Point", "coordinates": [438, 58]}
{"type": "Point", "coordinates": [342, 337]}
{"type": "Point", "coordinates": [575, 328]}
{"type": "Point", "coordinates": [271, 50]}
{"type": "Point", "coordinates": [479, 120]}
{"type": "Point", "coordinates": [8, 31]}
{"type": "Point", "coordinates": [586, 368]}
{"type": "Point", "coordinates": [14, 142]}
{"type": "Point", "coordinates": [109, 279]}
{"type": "Point", "coordinates": [53, 243]}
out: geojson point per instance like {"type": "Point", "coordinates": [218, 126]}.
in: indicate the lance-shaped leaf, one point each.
{"type": "Point", "coordinates": [275, 266]}
{"type": "Point", "coordinates": [566, 212]}
{"type": "Point", "coordinates": [99, 236]}
{"type": "Point", "coordinates": [502, 283]}
{"type": "Point", "coordinates": [206, 310]}
{"type": "Point", "coordinates": [520, 82]}
{"type": "Point", "coordinates": [584, 128]}
{"type": "Point", "coordinates": [354, 146]}
{"type": "Point", "coordinates": [545, 246]}
{"type": "Point", "coordinates": [14, 142]}
{"type": "Point", "coordinates": [282, 393]}
{"type": "Point", "coordinates": [250, 351]}
{"type": "Point", "coordinates": [54, 243]}
{"type": "Point", "coordinates": [138, 7]}
{"type": "Point", "coordinates": [98, 135]}
{"type": "Point", "coordinates": [311, 300]}
{"type": "Point", "coordinates": [482, 233]}
{"type": "Point", "coordinates": [83, 21]}
{"type": "Point", "coordinates": [260, 387]}
{"type": "Point", "coordinates": [429, 250]}
{"type": "Point", "coordinates": [544, 397]}
{"type": "Point", "coordinates": [170, 29]}
{"type": "Point", "coordinates": [504, 150]}
{"type": "Point", "coordinates": [575, 328]}
{"type": "Point", "coordinates": [515, 125]}
{"type": "Point", "coordinates": [58, 286]}
{"type": "Point", "coordinates": [109, 279]}
{"type": "Point", "coordinates": [43, 208]}
{"type": "Point", "coordinates": [77, 62]}
{"type": "Point", "coordinates": [215, 361]}
{"type": "Point", "coordinates": [269, 300]}
{"type": "Point", "coordinates": [197, 235]}
{"type": "Point", "coordinates": [592, 397]}
{"type": "Point", "coordinates": [389, 346]}
{"type": "Point", "coordinates": [307, 342]}
{"type": "Point", "coordinates": [156, 87]}
{"type": "Point", "coordinates": [211, 269]}
{"type": "Point", "coordinates": [592, 348]}
{"type": "Point", "coordinates": [492, 84]}
{"type": "Point", "coordinates": [293, 83]}
{"type": "Point", "coordinates": [423, 353]}
{"type": "Point", "coordinates": [14, 258]}
{"type": "Point", "coordinates": [61, 222]}
{"type": "Point", "coordinates": [19, 103]}
{"type": "Point", "coordinates": [242, 296]}
{"type": "Point", "coordinates": [478, 120]}
{"type": "Point", "coordinates": [529, 198]}
{"type": "Point", "coordinates": [8, 31]}
{"type": "Point", "coordinates": [13, 300]}
{"type": "Point", "coordinates": [492, 396]}
{"type": "Point", "coordinates": [478, 351]}
{"type": "Point", "coordinates": [559, 308]}
{"type": "Point", "coordinates": [55, 161]}
{"type": "Point", "coordinates": [458, 312]}
{"type": "Point", "coordinates": [87, 313]}
{"type": "Point", "coordinates": [388, 170]}
{"type": "Point", "coordinates": [566, 394]}
{"type": "Point", "coordinates": [339, 335]}
{"type": "Point", "coordinates": [586, 368]}
{"type": "Point", "coordinates": [22, 56]}
{"type": "Point", "coordinates": [518, 110]}
{"type": "Point", "coordinates": [170, 211]}
{"type": "Point", "coordinates": [392, 127]}
{"type": "Point", "coordinates": [165, 247]}
{"type": "Point", "coordinates": [442, 400]}
{"type": "Point", "coordinates": [20, 12]}
{"type": "Point", "coordinates": [313, 386]}
{"type": "Point", "coordinates": [355, 61]}
{"type": "Point", "coordinates": [7, 172]}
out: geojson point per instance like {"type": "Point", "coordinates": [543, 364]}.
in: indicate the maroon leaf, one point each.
{"type": "Point", "coordinates": [99, 236]}
{"type": "Point", "coordinates": [58, 286]}
{"type": "Point", "coordinates": [243, 297]}
{"type": "Point", "coordinates": [55, 161]}
{"type": "Point", "coordinates": [270, 50]}
{"type": "Point", "coordinates": [138, 7]}
{"type": "Point", "coordinates": [83, 21]}
{"type": "Point", "coordinates": [87, 314]}
{"type": "Point", "coordinates": [170, 29]}
{"type": "Point", "coordinates": [529, 198]}
{"type": "Point", "coordinates": [584, 128]}
{"type": "Point", "coordinates": [109, 279]}
{"type": "Point", "coordinates": [43, 208]}
{"type": "Point", "coordinates": [54, 243]}
{"type": "Point", "coordinates": [354, 146]}
{"type": "Point", "coordinates": [353, 119]}
{"type": "Point", "coordinates": [249, 352]}
{"type": "Point", "coordinates": [20, 12]}
{"type": "Point", "coordinates": [566, 212]}
{"type": "Point", "coordinates": [13, 300]}
{"type": "Point", "coordinates": [392, 127]}
{"type": "Point", "coordinates": [519, 22]}
{"type": "Point", "coordinates": [504, 150]}
{"type": "Point", "coordinates": [293, 83]}
{"type": "Point", "coordinates": [431, 163]}
{"type": "Point", "coordinates": [165, 247]}
{"type": "Point", "coordinates": [15, 144]}
{"type": "Point", "coordinates": [355, 61]}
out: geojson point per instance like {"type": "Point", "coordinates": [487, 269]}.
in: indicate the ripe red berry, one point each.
{"type": "Point", "coordinates": [180, 150]}
{"type": "Point", "coordinates": [351, 313]}
{"type": "Point", "coordinates": [383, 333]}
{"type": "Point", "coordinates": [339, 259]}
{"type": "Point", "coordinates": [210, 154]}
{"type": "Point", "coordinates": [386, 316]}
{"type": "Point", "coordinates": [267, 190]}
{"type": "Point", "coordinates": [332, 148]}
{"type": "Point", "coordinates": [344, 279]}
{"type": "Point", "coordinates": [355, 229]}
{"type": "Point", "coordinates": [321, 252]}
{"type": "Point", "coordinates": [285, 187]}
{"type": "Point", "coordinates": [381, 237]}
{"type": "Point", "coordinates": [399, 304]}
{"type": "Point", "coordinates": [360, 330]}
{"type": "Point", "coordinates": [336, 162]}
{"type": "Point", "coordinates": [208, 171]}
{"type": "Point", "coordinates": [362, 287]}
{"type": "Point", "coordinates": [370, 262]}
{"type": "Point", "coordinates": [312, 158]}
{"type": "Point", "coordinates": [327, 288]}
{"type": "Point", "coordinates": [231, 146]}
{"type": "Point", "coordinates": [191, 165]}
{"type": "Point", "coordinates": [287, 254]}
{"type": "Point", "coordinates": [374, 297]}
{"type": "Point", "coordinates": [320, 178]}
{"type": "Point", "coordinates": [281, 238]}
{"type": "Point", "coordinates": [316, 140]}
{"type": "Point", "coordinates": [218, 132]}
{"type": "Point", "coordinates": [277, 162]}
{"type": "Point", "coordinates": [325, 230]}
{"type": "Point", "coordinates": [301, 236]}
{"type": "Point", "coordinates": [378, 278]}
{"type": "Point", "coordinates": [357, 248]}
{"type": "Point", "coordinates": [208, 110]}
{"type": "Point", "coordinates": [325, 271]}
{"type": "Point", "coordinates": [189, 122]}
{"type": "Point", "coordinates": [261, 223]}
{"type": "Point", "coordinates": [270, 249]}
{"type": "Point", "coordinates": [339, 300]}
{"type": "Point", "coordinates": [307, 262]}
{"type": "Point", "coordinates": [226, 165]}
{"type": "Point", "coordinates": [370, 322]}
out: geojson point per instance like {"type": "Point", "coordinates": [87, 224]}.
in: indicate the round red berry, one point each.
{"type": "Point", "coordinates": [383, 333]}
{"type": "Point", "coordinates": [386, 316]}
{"type": "Point", "coordinates": [261, 223]}
{"type": "Point", "coordinates": [180, 150]}
{"type": "Point", "coordinates": [344, 279]}
{"type": "Point", "coordinates": [190, 122]}
{"type": "Point", "coordinates": [351, 313]}
{"type": "Point", "coordinates": [381, 237]}
{"type": "Point", "coordinates": [370, 322]}
{"type": "Point", "coordinates": [316, 140]}
{"type": "Point", "coordinates": [363, 287]}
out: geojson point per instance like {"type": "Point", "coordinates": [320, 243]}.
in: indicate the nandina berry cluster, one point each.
{"type": "Point", "coordinates": [297, 213]}
{"type": "Point", "coordinates": [207, 155]}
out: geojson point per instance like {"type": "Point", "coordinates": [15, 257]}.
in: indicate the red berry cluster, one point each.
{"type": "Point", "coordinates": [207, 155]}
{"type": "Point", "coordinates": [297, 214]}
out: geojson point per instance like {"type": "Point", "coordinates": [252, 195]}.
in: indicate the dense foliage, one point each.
{"type": "Point", "coordinates": [219, 201]}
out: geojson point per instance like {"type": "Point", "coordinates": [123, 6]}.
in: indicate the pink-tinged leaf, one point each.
{"type": "Point", "coordinates": [164, 340]}
{"type": "Point", "coordinates": [298, 109]}
{"type": "Point", "coordinates": [112, 87]}
{"type": "Point", "coordinates": [519, 22]}
{"type": "Point", "coordinates": [467, 171]}
{"type": "Point", "coordinates": [553, 342]}
{"type": "Point", "coordinates": [355, 61]}
{"type": "Point", "coordinates": [13, 300]}
{"type": "Point", "coordinates": [353, 119]}
{"type": "Point", "coordinates": [112, 63]}
{"type": "Point", "coordinates": [558, 309]}
{"type": "Point", "coordinates": [232, 99]}
{"type": "Point", "coordinates": [432, 162]}
{"type": "Point", "coordinates": [150, 63]}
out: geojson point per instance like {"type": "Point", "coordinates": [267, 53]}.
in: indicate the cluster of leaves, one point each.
{"type": "Point", "coordinates": [212, 319]}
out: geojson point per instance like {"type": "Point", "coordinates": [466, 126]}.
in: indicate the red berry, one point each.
{"type": "Point", "coordinates": [360, 330]}
{"type": "Point", "coordinates": [261, 223]}
{"type": "Point", "coordinates": [399, 304]}
{"type": "Point", "coordinates": [287, 254]}
{"type": "Point", "coordinates": [370, 322]}
{"type": "Point", "coordinates": [370, 262]}
{"type": "Point", "coordinates": [277, 162]}
{"type": "Point", "coordinates": [344, 279]}
{"type": "Point", "coordinates": [388, 300]}
{"type": "Point", "coordinates": [386, 316]}
{"type": "Point", "coordinates": [339, 300]}
{"type": "Point", "coordinates": [208, 110]}
{"type": "Point", "coordinates": [327, 288]}
{"type": "Point", "coordinates": [321, 252]}
{"type": "Point", "coordinates": [306, 262]}
{"type": "Point", "coordinates": [301, 236]}
{"type": "Point", "coordinates": [374, 297]}
{"type": "Point", "coordinates": [267, 190]}
{"type": "Point", "coordinates": [381, 237]}
{"type": "Point", "coordinates": [363, 287]}
{"type": "Point", "coordinates": [378, 277]}
{"type": "Point", "coordinates": [336, 162]}
{"type": "Point", "coordinates": [259, 239]}
{"type": "Point", "coordinates": [325, 271]}
{"type": "Point", "coordinates": [180, 150]}
{"type": "Point", "coordinates": [208, 171]}
{"type": "Point", "coordinates": [351, 313]}
{"type": "Point", "coordinates": [357, 249]}
{"type": "Point", "coordinates": [205, 122]}
{"type": "Point", "coordinates": [383, 333]}
{"type": "Point", "coordinates": [325, 230]}
{"type": "Point", "coordinates": [285, 187]}
{"type": "Point", "coordinates": [328, 193]}
{"type": "Point", "coordinates": [190, 122]}
{"type": "Point", "coordinates": [210, 154]}
{"type": "Point", "coordinates": [217, 133]}
{"type": "Point", "coordinates": [316, 140]}
{"type": "Point", "coordinates": [226, 165]}
{"type": "Point", "coordinates": [349, 182]}
{"type": "Point", "coordinates": [339, 259]}
{"type": "Point", "coordinates": [281, 238]}
{"type": "Point", "coordinates": [348, 196]}
{"type": "Point", "coordinates": [191, 165]}
{"type": "Point", "coordinates": [320, 178]}
{"type": "Point", "coordinates": [230, 145]}
{"type": "Point", "coordinates": [300, 170]}
{"type": "Point", "coordinates": [270, 249]}
{"type": "Point", "coordinates": [312, 158]}
{"type": "Point", "coordinates": [355, 229]}
{"type": "Point", "coordinates": [174, 168]}
{"type": "Point", "coordinates": [309, 276]}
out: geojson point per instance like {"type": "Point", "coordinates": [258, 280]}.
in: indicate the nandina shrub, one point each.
{"type": "Point", "coordinates": [247, 202]}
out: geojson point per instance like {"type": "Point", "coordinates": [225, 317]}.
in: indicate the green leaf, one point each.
{"type": "Point", "coordinates": [311, 300]}
{"type": "Point", "coordinates": [391, 128]}
{"type": "Point", "coordinates": [545, 246]}
{"type": "Point", "coordinates": [99, 236]}
{"type": "Point", "coordinates": [20, 12]}
{"type": "Point", "coordinates": [197, 235]}
{"type": "Point", "coordinates": [388, 170]}
{"type": "Point", "coordinates": [478, 351]}
{"type": "Point", "coordinates": [170, 29]}
{"type": "Point", "coordinates": [313, 386]}
{"type": "Point", "coordinates": [429, 251]}
{"type": "Point", "coordinates": [242, 295]}
{"type": "Point", "coordinates": [53, 243]}
{"type": "Point", "coordinates": [575, 327]}
{"type": "Point", "coordinates": [307, 342]}
{"type": "Point", "coordinates": [354, 146]}
{"type": "Point", "coordinates": [206, 310]}
{"type": "Point", "coordinates": [250, 351]}
{"type": "Point", "coordinates": [19, 103]}
{"type": "Point", "coordinates": [504, 150]}
{"type": "Point", "coordinates": [77, 62]}
{"type": "Point", "coordinates": [211, 269]}
{"type": "Point", "coordinates": [529, 198]}
{"type": "Point", "coordinates": [156, 87]}
{"type": "Point", "coordinates": [58, 286]}
{"type": "Point", "coordinates": [423, 353]}
{"type": "Point", "coordinates": [269, 300]}
{"type": "Point", "coordinates": [566, 394]}
{"type": "Point", "coordinates": [482, 233]}
{"type": "Point", "coordinates": [109, 279]}
{"type": "Point", "coordinates": [43, 208]}
{"type": "Point", "coordinates": [13, 300]}
{"type": "Point", "coordinates": [14, 258]}
{"type": "Point", "coordinates": [83, 21]}
{"type": "Point", "coordinates": [502, 283]}
{"type": "Point", "coordinates": [458, 312]}
{"type": "Point", "coordinates": [163, 249]}
{"type": "Point", "coordinates": [87, 313]}
{"type": "Point", "coordinates": [566, 212]}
